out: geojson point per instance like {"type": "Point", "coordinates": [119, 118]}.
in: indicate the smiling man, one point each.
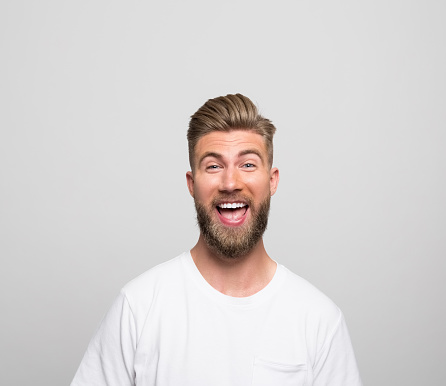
{"type": "Point", "coordinates": [224, 313]}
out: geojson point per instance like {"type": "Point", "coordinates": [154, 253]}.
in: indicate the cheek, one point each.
{"type": "Point", "coordinates": [202, 192]}
{"type": "Point", "coordinates": [260, 188]}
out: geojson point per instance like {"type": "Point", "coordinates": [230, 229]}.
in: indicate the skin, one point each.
{"type": "Point", "coordinates": [234, 162]}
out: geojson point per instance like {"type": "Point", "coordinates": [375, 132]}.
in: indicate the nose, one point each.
{"type": "Point", "coordinates": [230, 180]}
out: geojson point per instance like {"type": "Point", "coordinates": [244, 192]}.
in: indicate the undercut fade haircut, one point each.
{"type": "Point", "coordinates": [227, 113]}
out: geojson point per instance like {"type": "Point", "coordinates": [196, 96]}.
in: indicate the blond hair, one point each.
{"type": "Point", "coordinates": [226, 113]}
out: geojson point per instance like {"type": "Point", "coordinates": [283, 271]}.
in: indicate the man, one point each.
{"type": "Point", "coordinates": [224, 313]}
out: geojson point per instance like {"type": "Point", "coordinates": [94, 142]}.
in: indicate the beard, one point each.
{"type": "Point", "coordinates": [233, 242]}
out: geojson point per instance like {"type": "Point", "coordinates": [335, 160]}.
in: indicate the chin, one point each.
{"type": "Point", "coordinates": [233, 242]}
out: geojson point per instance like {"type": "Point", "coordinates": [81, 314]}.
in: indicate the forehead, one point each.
{"type": "Point", "coordinates": [234, 140]}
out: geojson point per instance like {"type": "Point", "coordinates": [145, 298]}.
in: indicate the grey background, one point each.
{"type": "Point", "coordinates": [95, 98]}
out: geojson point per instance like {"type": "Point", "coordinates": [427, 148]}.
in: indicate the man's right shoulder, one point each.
{"type": "Point", "coordinates": [162, 278]}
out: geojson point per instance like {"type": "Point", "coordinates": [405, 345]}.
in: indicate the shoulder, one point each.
{"type": "Point", "coordinates": [305, 298]}
{"type": "Point", "coordinates": [310, 309]}
{"type": "Point", "coordinates": [154, 276]}
{"type": "Point", "coordinates": [162, 279]}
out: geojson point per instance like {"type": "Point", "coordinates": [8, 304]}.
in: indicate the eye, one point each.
{"type": "Point", "coordinates": [212, 167]}
{"type": "Point", "coordinates": [248, 165]}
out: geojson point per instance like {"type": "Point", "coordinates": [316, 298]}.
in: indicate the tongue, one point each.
{"type": "Point", "coordinates": [233, 214]}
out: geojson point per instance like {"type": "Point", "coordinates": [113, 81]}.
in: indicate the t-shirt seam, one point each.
{"type": "Point", "coordinates": [329, 340]}
{"type": "Point", "coordinates": [133, 316]}
{"type": "Point", "coordinates": [248, 305]}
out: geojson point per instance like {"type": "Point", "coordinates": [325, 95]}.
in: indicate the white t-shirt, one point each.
{"type": "Point", "coordinates": [169, 327]}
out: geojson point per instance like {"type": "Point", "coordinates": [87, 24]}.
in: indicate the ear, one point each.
{"type": "Point", "coordinates": [190, 183]}
{"type": "Point", "coordinates": [273, 180]}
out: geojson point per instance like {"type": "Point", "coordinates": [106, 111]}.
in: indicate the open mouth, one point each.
{"type": "Point", "coordinates": [232, 213]}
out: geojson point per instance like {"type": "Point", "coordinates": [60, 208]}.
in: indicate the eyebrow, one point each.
{"type": "Point", "coordinates": [240, 154]}
{"type": "Point", "coordinates": [209, 154]}
{"type": "Point", "coordinates": [251, 151]}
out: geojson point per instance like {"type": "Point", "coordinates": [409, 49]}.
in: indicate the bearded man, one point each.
{"type": "Point", "coordinates": [224, 313]}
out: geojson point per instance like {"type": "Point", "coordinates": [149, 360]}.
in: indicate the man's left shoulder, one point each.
{"type": "Point", "coordinates": [305, 297]}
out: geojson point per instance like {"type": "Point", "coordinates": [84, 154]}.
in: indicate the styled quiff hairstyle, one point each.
{"type": "Point", "coordinates": [227, 113]}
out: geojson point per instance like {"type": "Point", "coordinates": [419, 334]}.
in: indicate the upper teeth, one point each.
{"type": "Point", "coordinates": [231, 206]}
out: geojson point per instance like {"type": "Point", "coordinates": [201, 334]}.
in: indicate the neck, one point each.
{"type": "Point", "coordinates": [237, 277]}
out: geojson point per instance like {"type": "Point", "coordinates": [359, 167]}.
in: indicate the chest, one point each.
{"type": "Point", "coordinates": [196, 341]}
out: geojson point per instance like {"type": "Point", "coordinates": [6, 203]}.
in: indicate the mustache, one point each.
{"type": "Point", "coordinates": [231, 197]}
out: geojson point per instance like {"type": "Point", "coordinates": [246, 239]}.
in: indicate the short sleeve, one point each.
{"type": "Point", "coordinates": [336, 363]}
{"type": "Point", "coordinates": [109, 358]}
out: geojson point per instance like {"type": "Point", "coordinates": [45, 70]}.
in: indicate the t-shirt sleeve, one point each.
{"type": "Point", "coordinates": [336, 363]}
{"type": "Point", "coordinates": [109, 358]}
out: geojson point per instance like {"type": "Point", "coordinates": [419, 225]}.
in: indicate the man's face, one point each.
{"type": "Point", "coordinates": [232, 185]}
